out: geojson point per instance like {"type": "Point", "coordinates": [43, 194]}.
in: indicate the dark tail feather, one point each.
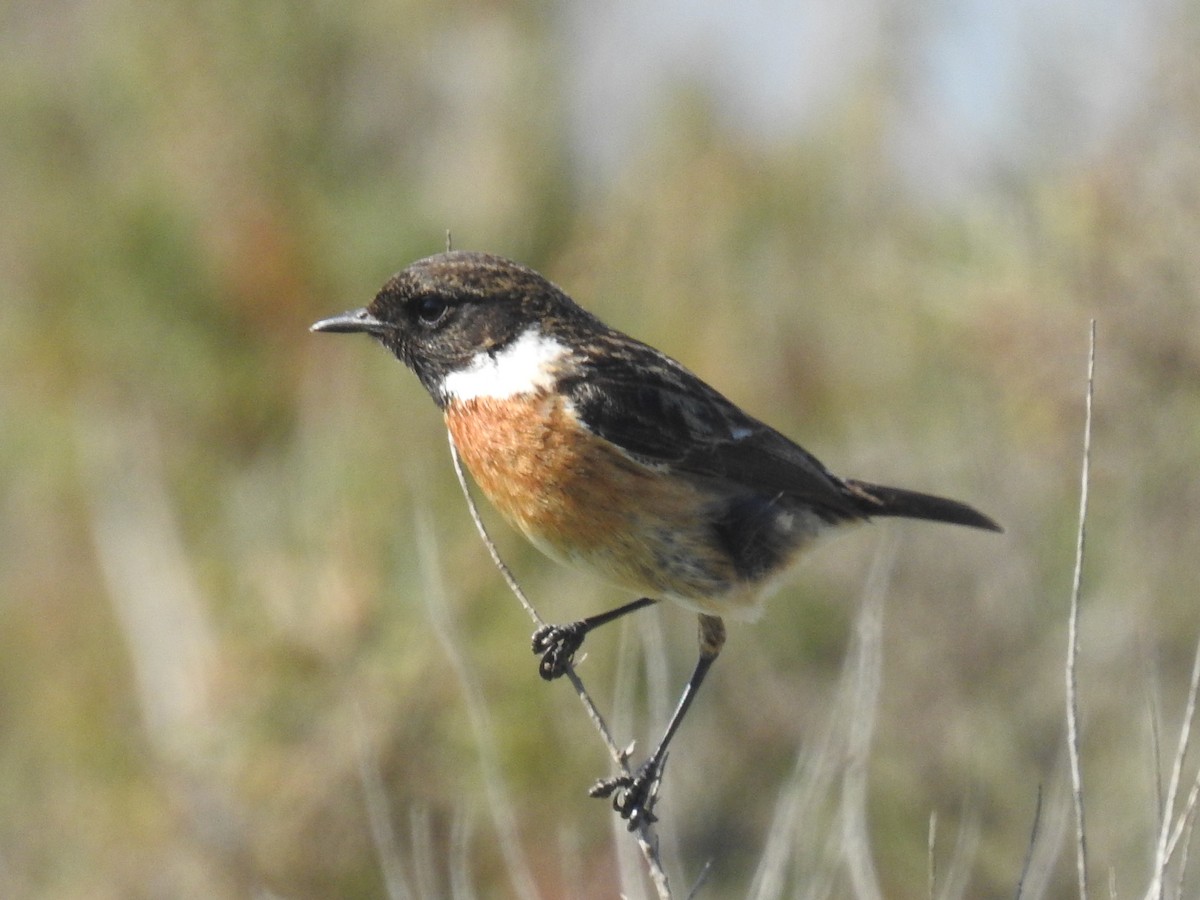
{"type": "Point", "coordinates": [877, 500]}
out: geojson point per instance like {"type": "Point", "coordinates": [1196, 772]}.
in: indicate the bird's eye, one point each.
{"type": "Point", "coordinates": [430, 309]}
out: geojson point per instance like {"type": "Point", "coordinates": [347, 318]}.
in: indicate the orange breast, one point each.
{"type": "Point", "coordinates": [584, 502]}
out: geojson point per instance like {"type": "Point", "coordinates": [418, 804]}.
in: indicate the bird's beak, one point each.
{"type": "Point", "coordinates": [351, 321]}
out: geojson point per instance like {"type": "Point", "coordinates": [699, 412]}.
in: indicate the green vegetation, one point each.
{"type": "Point", "coordinates": [212, 601]}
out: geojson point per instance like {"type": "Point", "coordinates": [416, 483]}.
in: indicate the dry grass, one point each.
{"type": "Point", "coordinates": [219, 675]}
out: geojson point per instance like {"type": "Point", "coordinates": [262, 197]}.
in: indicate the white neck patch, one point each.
{"type": "Point", "coordinates": [524, 366]}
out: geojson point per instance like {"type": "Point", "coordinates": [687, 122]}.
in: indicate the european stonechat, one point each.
{"type": "Point", "coordinates": [611, 456]}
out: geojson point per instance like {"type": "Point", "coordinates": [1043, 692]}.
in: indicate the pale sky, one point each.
{"type": "Point", "coordinates": [975, 88]}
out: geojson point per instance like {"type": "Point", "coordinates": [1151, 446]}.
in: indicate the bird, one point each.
{"type": "Point", "coordinates": [612, 457]}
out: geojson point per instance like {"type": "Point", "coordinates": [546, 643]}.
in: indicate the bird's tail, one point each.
{"type": "Point", "coordinates": [878, 500]}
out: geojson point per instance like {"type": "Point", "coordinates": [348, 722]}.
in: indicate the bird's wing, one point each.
{"type": "Point", "coordinates": [661, 414]}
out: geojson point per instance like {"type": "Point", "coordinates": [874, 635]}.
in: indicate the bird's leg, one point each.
{"type": "Point", "coordinates": [634, 796]}
{"type": "Point", "coordinates": [556, 644]}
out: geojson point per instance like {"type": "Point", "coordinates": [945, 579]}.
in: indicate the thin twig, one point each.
{"type": "Point", "coordinates": [1153, 711]}
{"type": "Point", "coordinates": [629, 867]}
{"type": "Point", "coordinates": [1055, 820]}
{"type": "Point", "coordinates": [701, 880]}
{"type": "Point", "coordinates": [868, 643]}
{"type": "Point", "coordinates": [444, 627]}
{"type": "Point", "coordinates": [1172, 827]}
{"type": "Point", "coordinates": [655, 658]}
{"type": "Point", "coordinates": [1185, 734]}
{"type": "Point", "coordinates": [1033, 836]}
{"type": "Point", "coordinates": [1189, 831]}
{"type": "Point", "coordinates": [505, 571]}
{"type": "Point", "coordinates": [932, 859]}
{"type": "Point", "coordinates": [1073, 627]}
{"type": "Point", "coordinates": [1184, 821]}
{"type": "Point", "coordinates": [647, 842]}
{"type": "Point", "coordinates": [513, 585]}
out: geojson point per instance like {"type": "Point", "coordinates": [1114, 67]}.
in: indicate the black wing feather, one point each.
{"type": "Point", "coordinates": [662, 415]}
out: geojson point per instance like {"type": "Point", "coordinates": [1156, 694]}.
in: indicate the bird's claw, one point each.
{"type": "Point", "coordinates": [556, 644]}
{"type": "Point", "coordinates": [633, 796]}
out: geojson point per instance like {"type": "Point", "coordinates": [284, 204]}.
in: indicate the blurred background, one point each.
{"type": "Point", "coordinates": [250, 644]}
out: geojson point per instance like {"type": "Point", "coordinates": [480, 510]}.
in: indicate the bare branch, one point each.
{"type": "Point", "coordinates": [1033, 837]}
{"type": "Point", "coordinates": [1172, 827]}
{"type": "Point", "coordinates": [931, 863]}
{"type": "Point", "coordinates": [1073, 627]}
{"type": "Point", "coordinates": [647, 842]}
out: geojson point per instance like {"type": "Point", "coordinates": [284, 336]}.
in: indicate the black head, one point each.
{"type": "Point", "coordinates": [438, 314]}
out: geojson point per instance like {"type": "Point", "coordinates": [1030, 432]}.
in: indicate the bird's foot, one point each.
{"type": "Point", "coordinates": [633, 796]}
{"type": "Point", "coordinates": [556, 644]}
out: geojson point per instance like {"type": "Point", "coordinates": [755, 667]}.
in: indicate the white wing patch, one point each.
{"type": "Point", "coordinates": [524, 366]}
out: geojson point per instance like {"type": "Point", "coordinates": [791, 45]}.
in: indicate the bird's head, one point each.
{"type": "Point", "coordinates": [443, 314]}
